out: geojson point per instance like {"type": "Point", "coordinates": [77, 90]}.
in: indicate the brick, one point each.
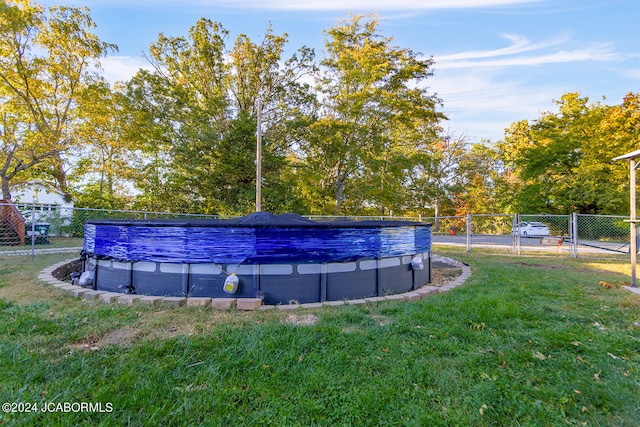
{"type": "Point", "coordinates": [411, 296]}
{"type": "Point", "coordinates": [109, 297]}
{"type": "Point", "coordinates": [78, 291]}
{"type": "Point", "coordinates": [288, 306]}
{"type": "Point", "coordinates": [356, 301]}
{"type": "Point", "coordinates": [198, 302]}
{"type": "Point", "coordinates": [129, 299]}
{"type": "Point", "coordinates": [223, 303]}
{"type": "Point", "coordinates": [174, 301]}
{"type": "Point", "coordinates": [333, 303]}
{"type": "Point", "coordinates": [312, 305]}
{"type": "Point", "coordinates": [92, 295]}
{"type": "Point", "coordinates": [424, 291]}
{"type": "Point", "coordinates": [248, 303]}
{"type": "Point", "coordinates": [374, 299]}
{"type": "Point", "coordinates": [394, 297]}
{"type": "Point", "coordinates": [150, 299]}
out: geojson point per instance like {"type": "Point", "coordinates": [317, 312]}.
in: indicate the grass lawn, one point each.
{"type": "Point", "coordinates": [55, 242]}
{"type": "Point", "coordinates": [531, 341]}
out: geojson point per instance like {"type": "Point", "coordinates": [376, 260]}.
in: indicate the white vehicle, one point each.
{"type": "Point", "coordinates": [535, 229]}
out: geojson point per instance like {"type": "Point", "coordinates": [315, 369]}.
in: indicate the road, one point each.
{"type": "Point", "coordinates": [530, 243]}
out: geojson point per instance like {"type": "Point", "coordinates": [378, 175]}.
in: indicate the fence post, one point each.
{"type": "Point", "coordinates": [515, 220]}
{"type": "Point", "coordinates": [468, 227]}
{"type": "Point", "coordinates": [573, 231]}
{"type": "Point", "coordinates": [33, 230]}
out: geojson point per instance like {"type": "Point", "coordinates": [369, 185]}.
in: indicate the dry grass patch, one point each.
{"type": "Point", "coordinates": [303, 320]}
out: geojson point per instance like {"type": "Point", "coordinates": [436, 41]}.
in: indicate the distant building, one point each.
{"type": "Point", "coordinates": [47, 203]}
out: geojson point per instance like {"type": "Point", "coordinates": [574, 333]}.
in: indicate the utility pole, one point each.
{"type": "Point", "coordinates": [259, 159]}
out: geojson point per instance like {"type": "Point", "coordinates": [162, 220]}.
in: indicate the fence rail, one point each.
{"type": "Point", "coordinates": [573, 235]}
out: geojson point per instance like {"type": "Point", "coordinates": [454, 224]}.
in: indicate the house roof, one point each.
{"type": "Point", "coordinates": [30, 184]}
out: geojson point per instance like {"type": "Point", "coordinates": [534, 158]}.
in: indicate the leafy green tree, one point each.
{"type": "Point", "coordinates": [482, 186]}
{"type": "Point", "coordinates": [362, 148]}
{"type": "Point", "coordinates": [46, 60]}
{"type": "Point", "coordinates": [561, 163]}
{"type": "Point", "coordinates": [105, 162]}
{"type": "Point", "coordinates": [199, 110]}
{"type": "Point", "coordinates": [439, 175]}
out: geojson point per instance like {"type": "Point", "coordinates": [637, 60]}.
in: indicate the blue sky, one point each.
{"type": "Point", "coordinates": [496, 61]}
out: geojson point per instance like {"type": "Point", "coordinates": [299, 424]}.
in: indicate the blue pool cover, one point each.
{"type": "Point", "coordinates": [259, 238]}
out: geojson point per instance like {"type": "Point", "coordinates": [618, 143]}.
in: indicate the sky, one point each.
{"type": "Point", "coordinates": [496, 61]}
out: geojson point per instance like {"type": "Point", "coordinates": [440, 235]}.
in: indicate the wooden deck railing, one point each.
{"type": "Point", "coordinates": [10, 215]}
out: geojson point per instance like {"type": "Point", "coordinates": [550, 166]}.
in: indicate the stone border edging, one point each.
{"type": "Point", "coordinates": [46, 275]}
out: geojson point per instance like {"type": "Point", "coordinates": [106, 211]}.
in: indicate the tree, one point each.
{"type": "Point", "coordinates": [46, 60]}
{"type": "Point", "coordinates": [360, 152]}
{"type": "Point", "coordinates": [200, 107]}
{"type": "Point", "coordinates": [482, 185]}
{"type": "Point", "coordinates": [105, 162]}
{"type": "Point", "coordinates": [561, 163]}
{"type": "Point", "coordinates": [439, 175]}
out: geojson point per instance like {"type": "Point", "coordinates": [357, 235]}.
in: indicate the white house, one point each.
{"type": "Point", "coordinates": [45, 202]}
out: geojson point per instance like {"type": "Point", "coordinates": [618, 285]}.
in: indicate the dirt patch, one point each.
{"type": "Point", "coordinates": [443, 276]}
{"type": "Point", "coordinates": [540, 266]}
{"type": "Point", "coordinates": [381, 320]}
{"type": "Point", "coordinates": [122, 336]}
{"type": "Point", "coordinates": [63, 272]}
{"type": "Point", "coordinates": [304, 320]}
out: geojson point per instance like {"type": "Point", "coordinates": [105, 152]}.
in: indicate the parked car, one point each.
{"type": "Point", "coordinates": [535, 229]}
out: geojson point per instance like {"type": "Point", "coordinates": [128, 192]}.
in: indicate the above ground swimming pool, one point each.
{"type": "Point", "coordinates": [282, 259]}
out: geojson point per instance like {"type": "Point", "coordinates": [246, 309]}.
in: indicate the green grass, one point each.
{"type": "Point", "coordinates": [54, 242]}
{"type": "Point", "coordinates": [526, 341]}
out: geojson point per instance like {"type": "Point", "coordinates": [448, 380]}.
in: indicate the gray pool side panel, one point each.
{"type": "Point", "coordinates": [152, 278]}
{"type": "Point", "coordinates": [112, 276]}
{"type": "Point", "coordinates": [276, 283]}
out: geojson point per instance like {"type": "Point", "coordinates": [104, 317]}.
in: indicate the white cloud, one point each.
{"type": "Point", "coordinates": [482, 103]}
{"type": "Point", "coordinates": [483, 93]}
{"type": "Point", "coordinates": [538, 54]}
{"type": "Point", "coordinates": [519, 44]}
{"type": "Point", "coordinates": [122, 68]}
{"type": "Point", "coordinates": [631, 73]}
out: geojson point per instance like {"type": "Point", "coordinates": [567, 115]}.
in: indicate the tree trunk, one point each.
{"type": "Point", "coordinates": [6, 195]}
{"type": "Point", "coordinates": [339, 191]}
{"type": "Point", "coordinates": [59, 174]}
{"type": "Point", "coordinates": [436, 213]}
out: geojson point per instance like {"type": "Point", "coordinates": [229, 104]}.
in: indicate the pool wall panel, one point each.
{"type": "Point", "coordinates": [344, 284]}
{"type": "Point", "coordinates": [112, 276]}
{"type": "Point", "coordinates": [154, 278]}
{"type": "Point", "coordinates": [206, 280]}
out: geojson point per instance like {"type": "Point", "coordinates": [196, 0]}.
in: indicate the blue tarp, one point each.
{"type": "Point", "coordinates": [259, 238]}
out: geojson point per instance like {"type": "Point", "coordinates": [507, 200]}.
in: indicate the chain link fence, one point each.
{"type": "Point", "coordinates": [59, 227]}
{"type": "Point", "coordinates": [24, 226]}
{"type": "Point", "coordinates": [574, 235]}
